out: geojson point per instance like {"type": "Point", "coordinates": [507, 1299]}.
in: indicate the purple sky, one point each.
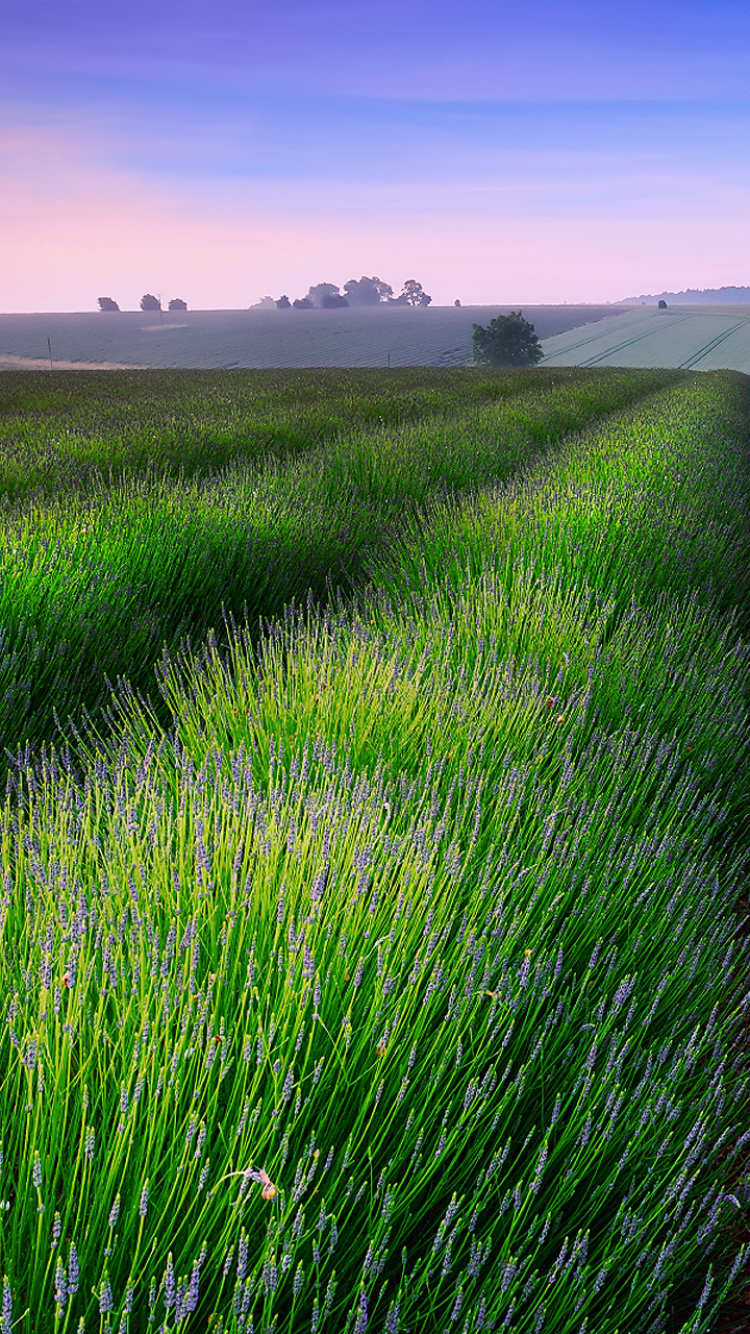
{"type": "Point", "coordinates": [498, 153]}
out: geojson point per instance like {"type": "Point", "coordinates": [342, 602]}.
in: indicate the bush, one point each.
{"type": "Point", "coordinates": [508, 340]}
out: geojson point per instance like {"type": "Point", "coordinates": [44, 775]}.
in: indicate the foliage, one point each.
{"type": "Point", "coordinates": [367, 291]}
{"type": "Point", "coordinates": [177, 304]}
{"type": "Point", "coordinates": [283, 303]}
{"type": "Point", "coordinates": [388, 981]}
{"type": "Point", "coordinates": [413, 294]}
{"type": "Point", "coordinates": [133, 555]}
{"type": "Point", "coordinates": [150, 302]}
{"type": "Point", "coordinates": [327, 296]}
{"type": "Point", "coordinates": [106, 303]}
{"type": "Point", "coordinates": [508, 340]}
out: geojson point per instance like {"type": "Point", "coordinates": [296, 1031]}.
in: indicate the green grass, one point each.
{"type": "Point", "coordinates": [374, 970]}
{"type": "Point", "coordinates": [68, 429]}
{"type": "Point", "coordinates": [98, 576]}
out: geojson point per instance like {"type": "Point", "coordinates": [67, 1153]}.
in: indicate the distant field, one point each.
{"type": "Point", "coordinates": [222, 339]}
{"type": "Point", "coordinates": [685, 337]}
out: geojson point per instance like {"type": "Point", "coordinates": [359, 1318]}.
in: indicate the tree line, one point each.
{"type": "Point", "coordinates": [322, 296]}
{"type": "Point", "coordinates": [356, 292]}
{"type": "Point", "coordinates": [148, 302]}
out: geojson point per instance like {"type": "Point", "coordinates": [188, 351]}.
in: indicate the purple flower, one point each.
{"type": "Point", "coordinates": [7, 1308]}
{"type": "Point", "coordinates": [61, 1285]}
{"type": "Point", "coordinates": [361, 1324]}
{"type": "Point", "coordinates": [508, 1272]}
{"type": "Point", "coordinates": [286, 1092]}
{"type": "Point", "coordinates": [706, 1289]}
{"type": "Point", "coordinates": [105, 1297]}
{"type": "Point", "coordinates": [169, 1291]}
{"type": "Point", "coordinates": [242, 1255]}
{"type": "Point", "coordinates": [392, 1321]}
{"type": "Point", "coordinates": [72, 1270]}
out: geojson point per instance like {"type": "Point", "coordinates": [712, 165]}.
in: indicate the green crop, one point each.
{"type": "Point", "coordinates": [376, 970]}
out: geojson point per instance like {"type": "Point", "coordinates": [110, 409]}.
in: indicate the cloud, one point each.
{"type": "Point", "coordinates": [90, 208]}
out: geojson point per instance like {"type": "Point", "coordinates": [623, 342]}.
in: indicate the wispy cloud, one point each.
{"type": "Point", "coordinates": [361, 130]}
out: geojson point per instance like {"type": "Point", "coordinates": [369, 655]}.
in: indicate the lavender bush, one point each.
{"type": "Point", "coordinates": [391, 985]}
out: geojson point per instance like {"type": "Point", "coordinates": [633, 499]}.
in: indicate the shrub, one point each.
{"type": "Point", "coordinates": [508, 340]}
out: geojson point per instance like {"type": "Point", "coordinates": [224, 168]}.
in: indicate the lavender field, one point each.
{"type": "Point", "coordinates": [374, 851]}
{"type": "Point", "coordinates": [430, 336]}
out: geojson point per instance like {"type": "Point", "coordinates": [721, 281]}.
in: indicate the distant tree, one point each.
{"type": "Point", "coordinates": [106, 303]}
{"type": "Point", "coordinates": [367, 291]}
{"type": "Point", "coordinates": [326, 295]}
{"type": "Point", "coordinates": [149, 302]}
{"type": "Point", "coordinates": [508, 340]}
{"type": "Point", "coordinates": [414, 294]}
{"type": "Point", "coordinates": [302, 303]}
{"type": "Point", "coordinates": [265, 303]}
{"type": "Point", "coordinates": [662, 305]}
{"type": "Point", "coordinates": [401, 300]}
{"type": "Point", "coordinates": [178, 304]}
{"type": "Point", "coordinates": [283, 303]}
{"type": "Point", "coordinates": [457, 302]}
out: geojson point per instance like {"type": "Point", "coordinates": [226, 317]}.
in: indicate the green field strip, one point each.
{"type": "Point", "coordinates": [548, 980]}
{"type": "Point", "coordinates": [95, 588]}
{"type": "Point", "coordinates": [391, 982]}
{"type": "Point", "coordinates": [59, 430]}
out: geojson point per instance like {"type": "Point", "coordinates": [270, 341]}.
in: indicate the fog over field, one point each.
{"type": "Point", "coordinates": [697, 337]}
{"type": "Point", "coordinates": [209, 339]}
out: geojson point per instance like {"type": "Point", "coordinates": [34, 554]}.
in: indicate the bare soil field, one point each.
{"type": "Point", "coordinates": [212, 339]}
{"type": "Point", "coordinates": [700, 338]}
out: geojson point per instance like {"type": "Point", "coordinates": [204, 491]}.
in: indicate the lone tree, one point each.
{"type": "Point", "coordinates": [149, 302]}
{"type": "Point", "coordinates": [508, 340]}
{"type": "Point", "coordinates": [106, 303]}
{"type": "Point", "coordinates": [413, 294]}
{"type": "Point", "coordinates": [177, 304]}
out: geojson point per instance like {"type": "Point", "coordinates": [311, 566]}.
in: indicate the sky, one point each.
{"type": "Point", "coordinates": [499, 153]}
